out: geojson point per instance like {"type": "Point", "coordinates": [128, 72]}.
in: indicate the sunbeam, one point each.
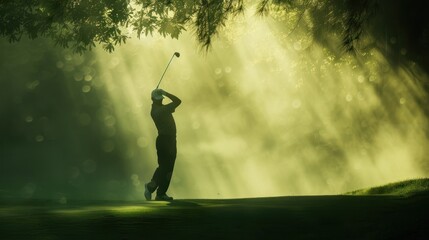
{"type": "Point", "coordinates": [264, 117]}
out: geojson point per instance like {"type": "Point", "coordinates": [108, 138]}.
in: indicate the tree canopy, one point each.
{"type": "Point", "coordinates": [81, 24]}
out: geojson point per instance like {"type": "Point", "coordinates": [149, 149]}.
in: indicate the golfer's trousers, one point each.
{"type": "Point", "coordinates": [166, 150]}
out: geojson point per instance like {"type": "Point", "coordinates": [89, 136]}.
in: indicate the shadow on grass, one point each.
{"type": "Point", "coordinates": [301, 217]}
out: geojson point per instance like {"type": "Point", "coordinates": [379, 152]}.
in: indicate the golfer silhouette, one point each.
{"type": "Point", "coordinates": [166, 149]}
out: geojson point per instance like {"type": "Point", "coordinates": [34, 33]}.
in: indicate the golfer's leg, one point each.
{"type": "Point", "coordinates": [167, 167]}
{"type": "Point", "coordinates": [157, 175]}
{"type": "Point", "coordinates": [154, 183]}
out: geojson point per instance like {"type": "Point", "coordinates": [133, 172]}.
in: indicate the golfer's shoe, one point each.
{"type": "Point", "coordinates": [147, 193]}
{"type": "Point", "coordinates": [163, 197]}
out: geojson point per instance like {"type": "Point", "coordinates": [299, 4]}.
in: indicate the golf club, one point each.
{"type": "Point", "coordinates": [177, 54]}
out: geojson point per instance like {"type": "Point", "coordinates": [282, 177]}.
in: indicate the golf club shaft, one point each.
{"type": "Point", "coordinates": [171, 59]}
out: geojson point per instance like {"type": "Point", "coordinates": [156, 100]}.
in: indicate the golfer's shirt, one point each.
{"type": "Point", "coordinates": [162, 115]}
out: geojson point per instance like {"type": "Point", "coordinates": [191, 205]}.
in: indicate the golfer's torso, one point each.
{"type": "Point", "coordinates": [164, 121]}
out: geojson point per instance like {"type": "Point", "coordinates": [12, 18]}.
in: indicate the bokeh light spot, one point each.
{"type": "Point", "coordinates": [218, 71]}
{"type": "Point", "coordinates": [86, 88]}
{"type": "Point", "coordinates": [88, 78]}
{"type": "Point", "coordinates": [39, 138]}
{"type": "Point", "coordinates": [29, 119]}
{"type": "Point", "coordinates": [78, 76]}
{"type": "Point", "coordinates": [349, 97]}
{"type": "Point", "coordinates": [109, 121]}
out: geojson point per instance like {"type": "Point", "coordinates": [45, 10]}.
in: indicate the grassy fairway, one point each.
{"type": "Point", "coordinates": [304, 217]}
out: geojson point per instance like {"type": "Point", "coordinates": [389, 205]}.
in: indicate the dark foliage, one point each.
{"type": "Point", "coordinates": [79, 24]}
{"type": "Point", "coordinates": [75, 24]}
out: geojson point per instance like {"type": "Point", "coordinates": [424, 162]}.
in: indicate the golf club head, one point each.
{"type": "Point", "coordinates": [177, 54]}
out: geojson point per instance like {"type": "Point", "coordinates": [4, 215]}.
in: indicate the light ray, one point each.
{"type": "Point", "coordinates": [265, 116]}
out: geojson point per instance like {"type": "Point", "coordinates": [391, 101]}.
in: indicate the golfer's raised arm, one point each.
{"type": "Point", "coordinates": [175, 100]}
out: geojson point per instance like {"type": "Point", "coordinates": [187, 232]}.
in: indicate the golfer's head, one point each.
{"type": "Point", "coordinates": [157, 95]}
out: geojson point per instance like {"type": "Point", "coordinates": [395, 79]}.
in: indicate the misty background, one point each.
{"type": "Point", "coordinates": [268, 111]}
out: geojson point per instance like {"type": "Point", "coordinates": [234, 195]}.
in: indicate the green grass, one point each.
{"type": "Point", "coordinates": [403, 188]}
{"type": "Point", "coordinates": [296, 217]}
